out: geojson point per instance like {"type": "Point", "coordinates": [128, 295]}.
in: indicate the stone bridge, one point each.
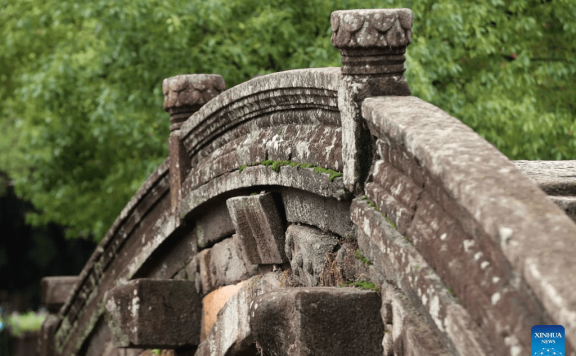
{"type": "Point", "coordinates": [326, 212]}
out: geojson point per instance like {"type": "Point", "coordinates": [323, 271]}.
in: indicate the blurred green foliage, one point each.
{"type": "Point", "coordinates": [82, 124]}
{"type": "Point", "coordinates": [19, 323]}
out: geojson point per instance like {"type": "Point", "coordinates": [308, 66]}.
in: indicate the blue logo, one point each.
{"type": "Point", "coordinates": [547, 340]}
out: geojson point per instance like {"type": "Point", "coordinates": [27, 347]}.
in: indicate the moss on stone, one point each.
{"type": "Point", "coordinates": [359, 256]}
{"type": "Point", "coordinates": [363, 284]}
{"type": "Point", "coordinates": [333, 174]}
{"type": "Point", "coordinates": [241, 168]}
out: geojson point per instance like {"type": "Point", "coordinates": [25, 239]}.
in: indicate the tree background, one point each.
{"type": "Point", "coordinates": [81, 120]}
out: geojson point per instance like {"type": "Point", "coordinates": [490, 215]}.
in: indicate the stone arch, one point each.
{"type": "Point", "coordinates": [281, 188]}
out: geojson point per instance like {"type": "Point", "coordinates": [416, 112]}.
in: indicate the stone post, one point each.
{"type": "Point", "coordinates": [54, 292]}
{"type": "Point", "coordinates": [183, 96]}
{"type": "Point", "coordinates": [372, 44]}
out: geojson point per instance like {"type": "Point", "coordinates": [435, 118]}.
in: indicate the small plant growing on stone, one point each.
{"type": "Point", "coordinates": [241, 168]}
{"type": "Point", "coordinates": [363, 284]}
{"type": "Point", "coordinates": [359, 256]}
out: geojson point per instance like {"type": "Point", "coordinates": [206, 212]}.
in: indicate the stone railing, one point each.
{"type": "Point", "coordinates": [328, 212]}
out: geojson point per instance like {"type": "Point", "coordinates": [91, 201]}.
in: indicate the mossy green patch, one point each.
{"type": "Point", "coordinates": [359, 256]}
{"type": "Point", "coordinates": [241, 168]}
{"type": "Point", "coordinates": [363, 284]}
{"type": "Point", "coordinates": [332, 173]}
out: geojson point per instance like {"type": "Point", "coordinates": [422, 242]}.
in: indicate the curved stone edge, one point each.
{"type": "Point", "coordinates": [300, 178]}
{"type": "Point", "coordinates": [322, 78]}
{"type": "Point", "coordinates": [536, 237]}
{"type": "Point", "coordinates": [310, 144]}
{"type": "Point", "coordinates": [140, 194]}
{"type": "Point", "coordinates": [147, 188]}
{"type": "Point", "coordinates": [400, 263]}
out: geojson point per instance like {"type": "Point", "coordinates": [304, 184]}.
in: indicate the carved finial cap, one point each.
{"type": "Point", "coordinates": [185, 94]}
{"type": "Point", "coordinates": [379, 28]}
{"type": "Point", "coordinates": [372, 41]}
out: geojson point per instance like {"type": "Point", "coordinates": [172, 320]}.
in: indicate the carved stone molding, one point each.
{"type": "Point", "coordinates": [185, 94]}
{"type": "Point", "coordinates": [372, 41]}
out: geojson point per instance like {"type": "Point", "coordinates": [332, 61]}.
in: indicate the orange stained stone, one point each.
{"type": "Point", "coordinates": [211, 305]}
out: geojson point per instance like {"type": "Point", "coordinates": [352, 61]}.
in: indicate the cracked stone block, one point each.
{"type": "Point", "coordinates": [318, 321]}
{"type": "Point", "coordinates": [307, 249]}
{"type": "Point", "coordinates": [260, 227]}
{"type": "Point", "coordinates": [55, 290]}
{"type": "Point", "coordinates": [220, 266]}
{"type": "Point", "coordinates": [136, 311]}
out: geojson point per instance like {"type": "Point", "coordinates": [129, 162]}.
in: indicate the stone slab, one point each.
{"type": "Point", "coordinates": [46, 345]}
{"type": "Point", "coordinates": [219, 266]}
{"type": "Point", "coordinates": [553, 177]}
{"type": "Point", "coordinates": [307, 249]}
{"type": "Point", "coordinates": [514, 213]}
{"type": "Point", "coordinates": [260, 227]}
{"type": "Point", "coordinates": [136, 311]}
{"type": "Point", "coordinates": [55, 290]}
{"type": "Point", "coordinates": [328, 214]}
{"type": "Point", "coordinates": [318, 321]}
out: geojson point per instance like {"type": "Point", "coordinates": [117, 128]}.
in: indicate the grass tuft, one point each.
{"type": "Point", "coordinates": [359, 256]}
{"type": "Point", "coordinates": [364, 285]}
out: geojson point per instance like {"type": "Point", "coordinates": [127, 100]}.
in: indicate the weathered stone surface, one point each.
{"type": "Point", "coordinates": [287, 90]}
{"type": "Point", "coordinates": [328, 214]}
{"type": "Point", "coordinates": [100, 342]}
{"type": "Point", "coordinates": [55, 290]}
{"type": "Point", "coordinates": [318, 145]}
{"type": "Point", "coordinates": [395, 259]}
{"type": "Point", "coordinates": [137, 310]}
{"type": "Point", "coordinates": [514, 213]}
{"type": "Point", "coordinates": [115, 253]}
{"type": "Point", "coordinates": [372, 41]}
{"type": "Point", "coordinates": [374, 28]}
{"type": "Point", "coordinates": [171, 256]}
{"type": "Point", "coordinates": [299, 178]}
{"type": "Point", "coordinates": [318, 321]}
{"type": "Point", "coordinates": [556, 178]}
{"type": "Point", "coordinates": [27, 344]}
{"type": "Point", "coordinates": [220, 265]}
{"type": "Point", "coordinates": [260, 227]}
{"type": "Point", "coordinates": [185, 94]}
{"type": "Point", "coordinates": [213, 224]}
{"type": "Point", "coordinates": [211, 305]}
{"type": "Point", "coordinates": [568, 204]}
{"type": "Point", "coordinates": [232, 333]}
{"type": "Point", "coordinates": [407, 332]}
{"type": "Point", "coordinates": [307, 248]}
{"type": "Point", "coordinates": [46, 345]}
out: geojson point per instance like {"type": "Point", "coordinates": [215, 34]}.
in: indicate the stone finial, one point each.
{"type": "Point", "coordinates": [372, 41]}
{"type": "Point", "coordinates": [185, 94]}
